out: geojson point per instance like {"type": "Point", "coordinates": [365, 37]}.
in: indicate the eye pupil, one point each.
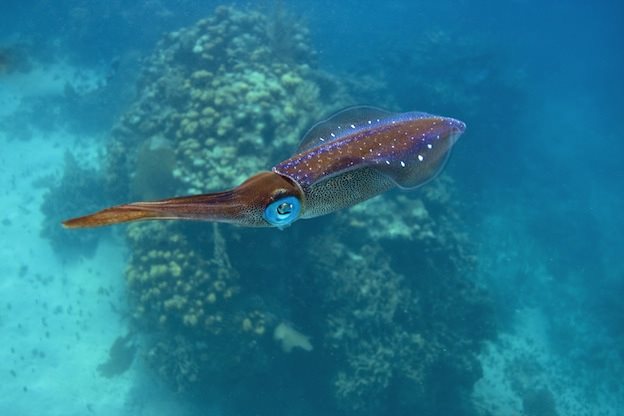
{"type": "Point", "coordinates": [283, 212]}
{"type": "Point", "coordinates": [284, 208]}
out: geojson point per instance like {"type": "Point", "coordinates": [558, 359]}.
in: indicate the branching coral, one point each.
{"type": "Point", "coordinates": [394, 335]}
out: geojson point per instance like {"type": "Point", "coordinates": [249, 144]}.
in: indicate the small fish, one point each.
{"type": "Point", "coordinates": [348, 158]}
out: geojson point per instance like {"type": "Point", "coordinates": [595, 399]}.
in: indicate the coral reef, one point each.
{"type": "Point", "coordinates": [226, 99]}
{"type": "Point", "coordinates": [385, 327]}
{"type": "Point", "coordinates": [217, 102]}
{"type": "Point", "coordinates": [175, 283]}
{"type": "Point", "coordinates": [193, 295]}
{"type": "Point", "coordinates": [397, 332]}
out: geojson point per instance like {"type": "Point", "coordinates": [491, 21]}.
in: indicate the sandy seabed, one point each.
{"type": "Point", "coordinates": [58, 318]}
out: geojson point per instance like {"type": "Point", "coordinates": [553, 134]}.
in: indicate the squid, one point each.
{"type": "Point", "coordinates": [352, 156]}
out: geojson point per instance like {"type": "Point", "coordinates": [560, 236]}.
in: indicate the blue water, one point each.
{"type": "Point", "coordinates": [495, 289]}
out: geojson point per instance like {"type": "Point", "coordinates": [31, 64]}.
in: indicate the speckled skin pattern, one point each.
{"type": "Point", "coordinates": [410, 148]}
{"type": "Point", "coordinates": [344, 190]}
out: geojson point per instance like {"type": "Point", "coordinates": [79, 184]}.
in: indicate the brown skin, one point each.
{"type": "Point", "coordinates": [242, 205]}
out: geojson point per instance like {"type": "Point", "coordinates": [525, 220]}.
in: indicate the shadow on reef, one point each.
{"type": "Point", "coordinates": [354, 313]}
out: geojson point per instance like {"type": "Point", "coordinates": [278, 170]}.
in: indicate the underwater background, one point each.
{"type": "Point", "coordinates": [495, 289]}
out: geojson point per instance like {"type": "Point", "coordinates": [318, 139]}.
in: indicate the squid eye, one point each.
{"type": "Point", "coordinates": [282, 212]}
{"type": "Point", "coordinates": [285, 208]}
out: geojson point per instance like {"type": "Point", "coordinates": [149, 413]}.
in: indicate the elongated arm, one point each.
{"type": "Point", "coordinates": [244, 205]}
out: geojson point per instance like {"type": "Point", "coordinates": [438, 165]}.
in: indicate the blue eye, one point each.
{"type": "Point", "coordinates": [283, 212]}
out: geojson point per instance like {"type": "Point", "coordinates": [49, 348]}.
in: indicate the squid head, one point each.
{"type": "Point", "coordinates": [264, 200]}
